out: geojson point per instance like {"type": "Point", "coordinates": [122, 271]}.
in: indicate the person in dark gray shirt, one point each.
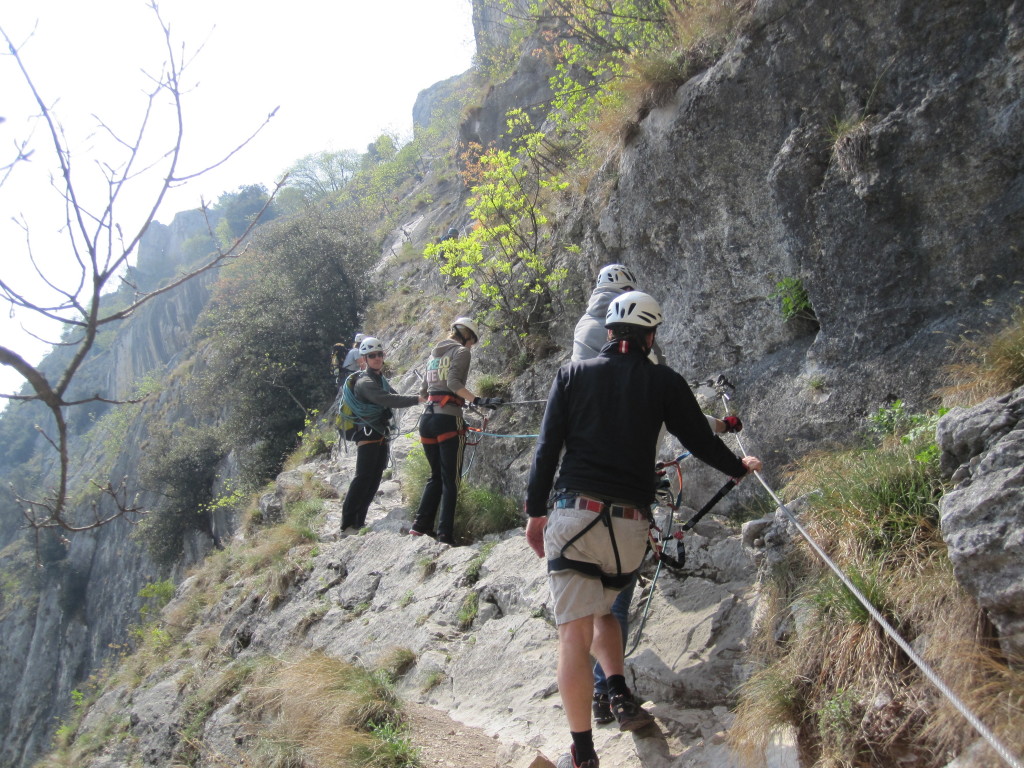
{"type": "Point", "coordinates": [373, 400]}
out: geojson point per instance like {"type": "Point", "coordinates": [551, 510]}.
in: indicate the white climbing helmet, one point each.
{"type": "Point", "coordinates": [465, 324]}
{"type": "Point", "coordinates": [616, 275]}
{"type": "Point", "coordinates": [634, 308]}
{"type": "Point", "coordinates": [370, 344]}
{"type": "Point", "coordinates": [360, 337]}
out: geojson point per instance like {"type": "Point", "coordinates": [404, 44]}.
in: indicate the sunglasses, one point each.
{"type": "Point", "coordinates": [375, 354]}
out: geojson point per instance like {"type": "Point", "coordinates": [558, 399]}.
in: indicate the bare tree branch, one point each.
{"type": "Point", "coordinates": [98, 253]}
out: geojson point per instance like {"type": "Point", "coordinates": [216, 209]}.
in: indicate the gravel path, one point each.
{"type": "Point", "coordinates": [445, 743]}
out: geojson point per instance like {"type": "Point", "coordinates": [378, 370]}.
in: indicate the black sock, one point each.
{"type": "Point", "coordinates": [583, 742]}
{"type": "Point", "coordinates": [617, 686]}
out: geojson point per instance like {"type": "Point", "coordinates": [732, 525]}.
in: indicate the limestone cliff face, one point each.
{"type": "Point", "coordinates": [740, 181]}
{"type": "Point", "coordinates": [88, 597]}
{"type": "Point", "coordinates": [873, 152]}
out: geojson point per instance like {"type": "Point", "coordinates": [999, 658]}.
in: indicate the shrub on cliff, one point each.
{"type": "Point", "coordinates": [268, 331]}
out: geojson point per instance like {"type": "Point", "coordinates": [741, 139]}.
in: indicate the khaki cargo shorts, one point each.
{"type": "Point", "coordinates": [575, 594]}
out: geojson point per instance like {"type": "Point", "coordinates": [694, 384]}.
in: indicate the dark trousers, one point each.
{"type": "Point", "coordinates": [445, 459]}
{"type": "Point", "coordinates": [371, 461]}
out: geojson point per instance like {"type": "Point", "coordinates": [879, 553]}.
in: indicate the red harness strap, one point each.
{"type": "Point", "coordinates": [443, 400]}
{"type": "Point", "coordinates": [442, 437]}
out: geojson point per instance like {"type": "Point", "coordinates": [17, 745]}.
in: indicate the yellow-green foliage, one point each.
{"type": "Point", "coordinates": [827, 669]}
{"type": "Point", "coordinates": [317, 437]}
{"type": "Point", "coordinates": [506, 265]}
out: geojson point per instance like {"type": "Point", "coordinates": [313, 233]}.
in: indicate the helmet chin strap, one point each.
{"type": "Point", "coordinates": [640, 337]}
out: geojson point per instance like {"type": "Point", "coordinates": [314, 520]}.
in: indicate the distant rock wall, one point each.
{"type": "Point", "coordinates": [89, 598]}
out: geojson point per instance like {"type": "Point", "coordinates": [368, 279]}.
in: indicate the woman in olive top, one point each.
{"type": "Point", "coordinates": [442, 429]}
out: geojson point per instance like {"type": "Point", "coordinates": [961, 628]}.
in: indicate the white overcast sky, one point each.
{"type": "Point", "coordinates": [341, 71]}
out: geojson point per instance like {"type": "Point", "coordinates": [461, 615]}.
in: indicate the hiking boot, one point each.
{"type": "Point", "coordinates": [568, 760]}
{"type": "Point", "coordinates": [446, 540]}
{"type": "Point", "coordinates": [602, 709]}
{"type": "Point", "coordinates": [414, 532]}
{"type": "Point", "coordinates": [629, 713]}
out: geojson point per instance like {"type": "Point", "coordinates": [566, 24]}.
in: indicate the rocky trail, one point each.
{"type": "Point", "coordinates": [498, 705]}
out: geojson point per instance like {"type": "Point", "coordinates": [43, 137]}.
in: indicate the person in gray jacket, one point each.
{"type": "Point", "coordinates": [354, 360]}
{"type": "Point", "coordinates": [373, 400]}
{"type": "Point", "coordinates": [590, 335]}
{"type": "Point", "coordinates": [443, 430]}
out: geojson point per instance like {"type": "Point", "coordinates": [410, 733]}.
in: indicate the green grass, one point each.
{"type": "Point", "coordinates": [477, 563]}
{"type": "Point", "coordinates": [468, 610]}
{"type": "Point", "coordinates": [478, 511]}
{"type": "Point", "coordinates": [822, 665]}
{"type": "Point", "coordinates": [794, 301]}
{"type": "Point", "coordinates": [986, 365]}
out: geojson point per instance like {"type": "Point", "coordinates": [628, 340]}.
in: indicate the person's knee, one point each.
{"type": "Point", "coordinates": [577, 633]}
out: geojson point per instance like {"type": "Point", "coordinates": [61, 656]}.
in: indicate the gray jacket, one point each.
{"type": "Point", "coordinates": [590, 334]}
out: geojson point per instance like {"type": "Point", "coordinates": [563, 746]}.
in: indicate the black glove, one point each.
{"type": "Point", "coordinates": [488, 402]}
{"type": "Point", "coordinates": [732, 423]}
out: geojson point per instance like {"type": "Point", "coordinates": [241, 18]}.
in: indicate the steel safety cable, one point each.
{"type": "Point", "coordinates": [983, 730]}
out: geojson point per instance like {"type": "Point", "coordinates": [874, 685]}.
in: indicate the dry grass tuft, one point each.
{"type": "Point", "coordinates": [316, 706]}
{"type": "Point", "coordinates": [322, 713]}
{"type": "Point", "coordinates": [870, 502]}
{"type": "Point", "coordinates": [828, 670]}
{"type": "Point", "coordinates": [700, 22]}
{"type": "Point", "coordinates": [986, 366]}
{"type": "Point", "coordinates": [701, 32]}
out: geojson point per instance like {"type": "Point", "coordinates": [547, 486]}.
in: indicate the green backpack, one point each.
{"type": "Point", "coordinates": [349, 425]}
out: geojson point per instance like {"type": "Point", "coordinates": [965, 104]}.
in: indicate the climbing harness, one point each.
{"type": "Point", "coordinates": [605, 512]}
{"type": "Point", "coordinates": [721, 385]}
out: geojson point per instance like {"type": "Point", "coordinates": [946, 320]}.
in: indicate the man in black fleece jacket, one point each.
{"type": "Point", "coordinates": [606, 414]}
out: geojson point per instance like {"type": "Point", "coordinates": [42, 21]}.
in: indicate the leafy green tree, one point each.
{"type": "Point", "coordinates": [505, 265]}
{"type": "Point", "coordinates": [239, 209]}
{"type": "Point", "coordinates": [268, 330]}
{"type": "Point", "coordinates": [322, 174]}
{"type": "Point", "coordinates": [181, 469]}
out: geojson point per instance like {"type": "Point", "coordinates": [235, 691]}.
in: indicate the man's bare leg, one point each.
{"type": "Point", "coordinates": [607, 646]}
{"type": "Point", "coordinates": [575, 676]}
